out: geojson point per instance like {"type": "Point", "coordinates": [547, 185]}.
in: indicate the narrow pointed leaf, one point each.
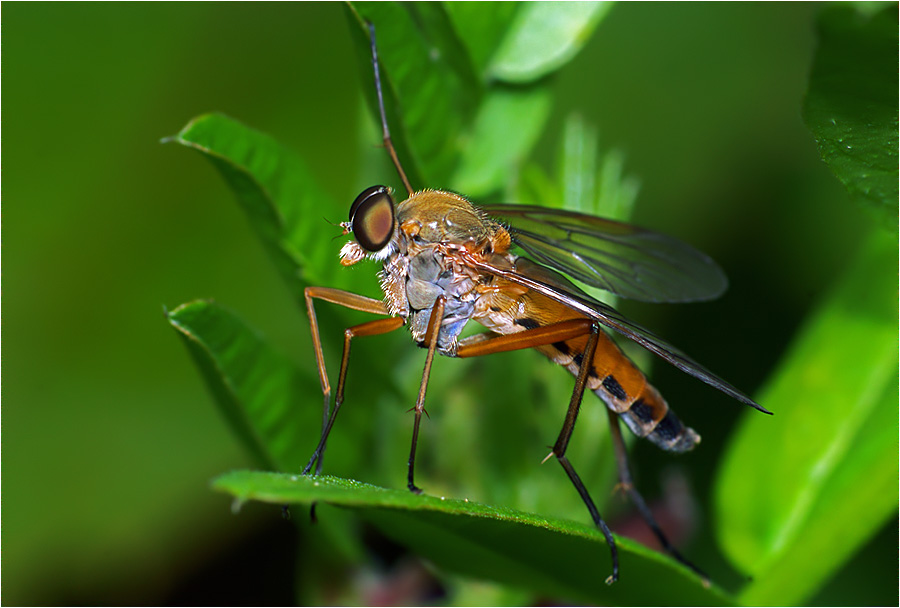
{"type": "Point", "coordinates": [556, 557]}
{"type": "Point", "coordinates": [428, 99]}
{"type": "Point", "coordinates": [507, 125]}
{"type": "Point", "coordinates": [482, 27]}
{"type": "Point", "coordinates": [544, 36]}
{"type": "Point", "coordinates": [272, 184]}
{"type": "Point", "coordinates": [455, 122]}
{"type": "Point", "coordinates": [260, 393]}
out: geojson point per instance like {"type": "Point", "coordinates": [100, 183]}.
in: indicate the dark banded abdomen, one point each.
{"type": "Point", "coordinates": [650, 416]}
{"type": "Point", "coordinates": [612, 376]}
{"type": "Point", "coordinates": [625, 390]}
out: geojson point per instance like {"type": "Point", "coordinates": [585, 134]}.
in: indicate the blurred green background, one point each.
{"type": "Point", "coordinates": [110, 438]}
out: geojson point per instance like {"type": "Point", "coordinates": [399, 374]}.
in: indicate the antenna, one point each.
{"type": "Point", "coordinates": [384, 125]}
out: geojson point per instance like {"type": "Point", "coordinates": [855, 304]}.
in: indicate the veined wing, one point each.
{"type": "Point", "coordinates": [626, 260]}
{"type": "Point", "coordinates": [556, 287]}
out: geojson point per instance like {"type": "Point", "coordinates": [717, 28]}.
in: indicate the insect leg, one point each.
{"type": "Point", "coordinates": [371, 328]}
{"type": "Point", "coordinates": [379, 326]}
{"type": "Point", "coordinates": [384, 125]}
{"type": "Point", "coordinates": [638, 500]}
{"type": "Point", "coordinates": [548, 334]}
{"type": "Point", "coordinates": [486, 344]}
{"type": "Point", "coordinates": [431, 341]}
{"type": "Point", "coordinates": [562, 442]}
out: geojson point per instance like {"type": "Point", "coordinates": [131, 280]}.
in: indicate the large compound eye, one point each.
{"type": "Point", "coordinates": [372, 218]}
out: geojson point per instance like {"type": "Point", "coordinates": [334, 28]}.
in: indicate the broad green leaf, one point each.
{"type": "Point", "coordinates": [260, 393]}
{"type": "Point", "coordinates": [800, 491]}
{"type": "Point", "coordinates": [452, 124]}
{"type": "Point", "coordinates": [273, 185]}
{"type": "Point", "coordinates": [428, 99]}
{"type": "Point", "coordinates": [506, 127]}
{"type": "Point", "coordinates": [481, 26]}
{"type": "Point", "coordinates": [542, 37]}
{"type": "Point", "coordinates": [434, 18]}
{"type": "Point", "coordinates": [555, 557]}
{"type": "Point", "coordinates": [851, 105]}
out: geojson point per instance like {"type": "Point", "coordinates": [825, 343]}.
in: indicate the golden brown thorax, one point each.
{"type": "Point", "coordinates": [437, 216]}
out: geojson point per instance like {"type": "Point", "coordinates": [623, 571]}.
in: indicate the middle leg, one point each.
{"type": "Point", "coordinates": [562, 443]}
{"type": "Point", "coordinates": [549, 334]}
{"type": "Point", "coordinates": [431, 342]}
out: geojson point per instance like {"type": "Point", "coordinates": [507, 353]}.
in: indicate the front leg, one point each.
{"type": "Point", "coordinates": [372, 328]}
{"type": "Point", "coordinates": [431, 342]}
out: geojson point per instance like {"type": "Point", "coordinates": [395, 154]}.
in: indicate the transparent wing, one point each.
{"type": "Point", "coordinates": [556, 287]}
{"type": "Point", "coordinates": [628, 261]}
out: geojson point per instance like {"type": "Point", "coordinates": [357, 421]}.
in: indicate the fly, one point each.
{"type": "Point", "coordinates": [446, 262]}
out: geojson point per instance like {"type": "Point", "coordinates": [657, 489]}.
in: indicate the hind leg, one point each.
{"type": "Point", "coordinates": [626, 482]}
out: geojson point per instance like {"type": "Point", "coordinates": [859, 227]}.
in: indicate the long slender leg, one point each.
{"type": "Point", "coordinates": [487, 344]}
{"type": "Point", "coordinates": [371, 328]}
{"type": "Point", "coordinates": [355, 302]}
{"type": "Point", "coordinates": [484, 344]}
{"type": "Point", "coordinates": [562, 442]}
{"type": "Point", "coordinates": [386, 134]}
{"type": "Point", "coordinates": [431, 341]}
{"type": "Point", "coordinates": [626, 482]}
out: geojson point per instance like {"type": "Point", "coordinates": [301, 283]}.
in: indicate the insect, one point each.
{"type": "Point", "coordinates": [446, 262]}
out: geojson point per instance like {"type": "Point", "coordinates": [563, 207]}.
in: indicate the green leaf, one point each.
{"type": "Point", "coordinates": [430, 92]}
{"type": "Point", "coordinates": [799, 492]}
{"type": "Point", "coordinates": [506, 127]}
{"type": "Point", "coordinates": [481, 26]}
{"type": "Point", "coordinates": [603, 191]}
{"type": "Point", "coordinates": [273, 185]}
{"type": "Point", "coordinates": [543, 37]}
{"type": "Point", "coordinates": [851, 105]}
{"type": "Point", "coordinates": [258, 390]}
{"type": "Point", "coordinates": [453, 123]}
{"type": "Point", "coordinates": [555, 557]}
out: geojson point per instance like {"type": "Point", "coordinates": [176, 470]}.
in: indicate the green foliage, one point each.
{"type": "Point", "coordinates": [481, 541]}
{"type": "Point", "coordinates": [464, 102]}
{"type": "Point", "coordinates": [790, 495]}
{"type": "Point", "coordinates": [851, 105]}
{"type": "Point", "coordinates": [274, 187]}
{"type": "Point", "coordinates": [256, 388]}
{"type": "Point", "coordinates": [466, 105]}
{"type": "Point", "coordinates": [542, 37]}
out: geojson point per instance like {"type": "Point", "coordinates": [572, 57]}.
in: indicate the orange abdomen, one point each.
{"type": "Point", "coordinates": [612, 377]}
{"type": "Point", "coordinates": [625, 390]}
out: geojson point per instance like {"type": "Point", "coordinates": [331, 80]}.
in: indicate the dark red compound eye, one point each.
{"type": "Point", "coordinates": [372, 218]}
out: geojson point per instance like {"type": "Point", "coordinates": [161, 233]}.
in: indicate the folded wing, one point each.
{"type": "Point", "coordinates": [628, 261]}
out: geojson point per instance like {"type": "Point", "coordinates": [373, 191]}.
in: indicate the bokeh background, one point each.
{"type": "Point", "coordinates": [109, 436]}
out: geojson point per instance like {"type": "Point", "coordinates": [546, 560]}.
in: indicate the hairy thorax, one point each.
{"type": "Point", "coordinates": [437, 230]}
